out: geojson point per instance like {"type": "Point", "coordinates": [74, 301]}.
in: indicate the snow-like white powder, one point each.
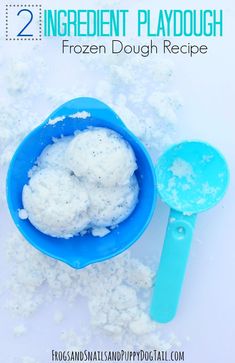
{"type": "Point", "coordinates": [34, 278]}
{"type": "Point", "coordinates": [182, 169]}
{"type": "Point", "coordinates": [54, 121]}
{"type": "Point", "coordinates": [56, 203]}
{"type": "Point", "coordinates": [64, 198]}
{"type": "Point", "coordinates": [208, 189]}
{"type": "Point", "coordinates": [117, 294]}
{"type": "Point", "coordinates": [100, 155]}
{"type": "Point", "coordinates": [82, 114]}
{"type": "Point", "coordinates": [54, 155]}
{"type": "Point", "coordinates": [100, 231]}
{"type": "Point", "coordinates": [23, 214]}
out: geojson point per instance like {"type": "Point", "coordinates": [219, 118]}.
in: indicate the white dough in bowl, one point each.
{"type": "Point", "coordinates": [110, 206]}
{"type": "Point", "coordinates": [56, 203]}
{"type": "Point", "coordinates": [100, 155]}
{"type": "Point", "coordinates": [54, 154]}
{"type": "Point", "coordinates": [82, 183]}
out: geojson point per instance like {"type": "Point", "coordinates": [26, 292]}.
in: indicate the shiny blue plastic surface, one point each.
{"type": "Point", "coordinates": [80, 251]}
{"type": "Point", "coordinates": [202, 181]}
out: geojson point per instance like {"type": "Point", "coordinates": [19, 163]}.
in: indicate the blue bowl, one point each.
{"type": "Point", "coordinates": [78, 251]}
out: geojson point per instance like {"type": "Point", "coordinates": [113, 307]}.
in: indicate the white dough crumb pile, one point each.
{"type": "Point", "coordinates": [182, 169]}
{"type": "Point", "coordinates": [117, 294]}
{"type": "Point", "coordinates": [80, 183]}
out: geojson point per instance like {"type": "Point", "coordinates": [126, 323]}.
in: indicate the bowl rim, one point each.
{"type": "Point", "coordinates": [80, 263]}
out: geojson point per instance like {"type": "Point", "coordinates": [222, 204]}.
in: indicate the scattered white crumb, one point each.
{"type": "Point", "coordinates": [171, 183]}
{"type": "Point", "coordinates": [82, 114]}
{"type": "Point", "coordinates": [208, 189]}
{"type": "Point", "coordinates": [138, 275]}
{"type": "Point", "coordinates": [182, 169]}
{"type": "Point", "coordinates": [207, 158]}
{"type": "Point", "coordinates": [187, 214]}
{"type": "Point", "coordinates": [19, 330]}
{"type": "Point", "coordinates": [174, 340]}
{"type": "Point", "coordinates": [123, 297]}
{"type": "Point", "coordinates": [165, 106]}
{"type": "Point", "coordinates": [142, 325]}
{"type": "Point", "coordinates": [119, 309]}
{"type": "Point", "coordinates": [113, 329]}
{"type": "Point", "coordinates": [100, 231]}
{"type": "Point", "coordinates": [23, 214]}
{"type": "Point", "coordinates": [172, 220]}
{"type": "Point", "coordinates": [55, 120]}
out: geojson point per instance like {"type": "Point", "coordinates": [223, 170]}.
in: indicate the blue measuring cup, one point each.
{"type": "Point", "coordinates": [81, 251]}
{"type": "Point", "coordinates": [191, 178]}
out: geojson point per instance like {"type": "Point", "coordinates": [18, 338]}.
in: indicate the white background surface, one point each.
{"type": "Point", "coordinates": [205, 322]}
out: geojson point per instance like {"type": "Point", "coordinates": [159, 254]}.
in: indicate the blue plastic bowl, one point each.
{"type": "Point", "coordinates": [80, 251]}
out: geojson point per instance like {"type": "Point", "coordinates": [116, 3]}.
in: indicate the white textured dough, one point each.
{"type": "Point", "coordinates": [56, 203]}
{"type": "Point", "coordinates": [81, 182]}
{"type": "Point", "coordinates": [54, 154]}
{"type": "Point", "coordinates": [110, 206]}
{"type": "Point", "coordinates": [100, 155]}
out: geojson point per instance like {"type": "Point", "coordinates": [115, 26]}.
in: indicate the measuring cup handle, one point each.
{"type": "Point", "coordinates": [170, 275]}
